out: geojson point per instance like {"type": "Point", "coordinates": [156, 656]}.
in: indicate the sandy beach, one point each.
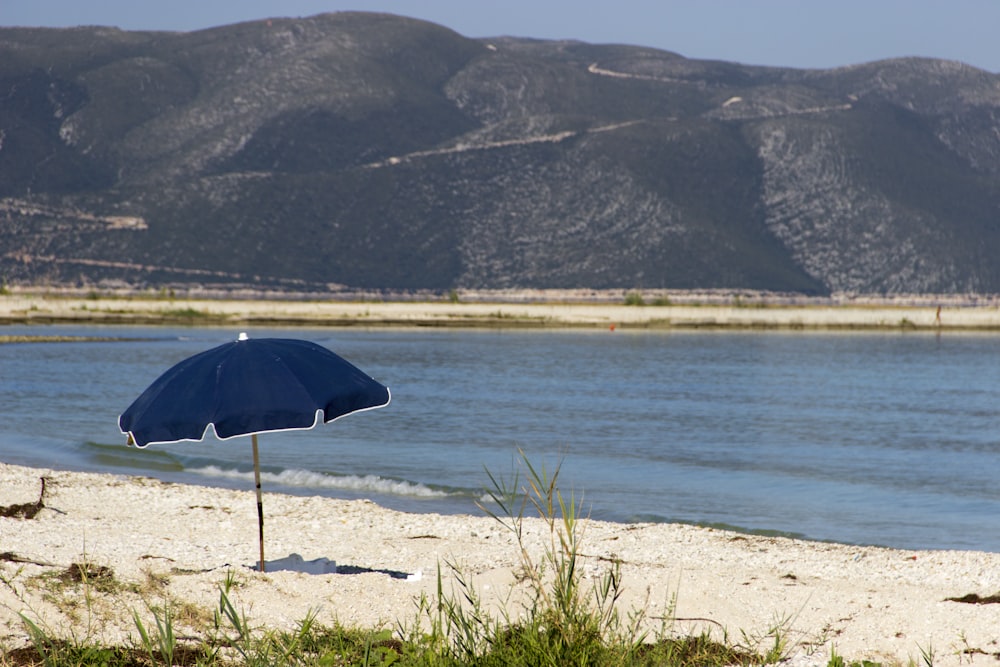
{"type": "Point", "coordinates": [949, 313]}
{"type": "Point", "coordinates": [175, 542]}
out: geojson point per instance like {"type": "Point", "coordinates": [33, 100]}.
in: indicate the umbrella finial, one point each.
{"type": "Point", "coordinates": [242, 336]}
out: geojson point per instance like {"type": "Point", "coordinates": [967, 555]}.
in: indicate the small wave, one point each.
{"type": "Point", "coordinates": [120, 456]}
{"type": "Point", "coordinates": [310, 479]}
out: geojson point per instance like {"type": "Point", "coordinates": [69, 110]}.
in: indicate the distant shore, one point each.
{"type": "Point", "coordinates": [502, 310]}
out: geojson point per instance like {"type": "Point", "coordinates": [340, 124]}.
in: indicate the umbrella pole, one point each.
{"type": "Point", "coordinates": [260, 503]}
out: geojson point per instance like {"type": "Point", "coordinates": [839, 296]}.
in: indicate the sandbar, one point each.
{"type": "Point", "coordinates": [824, 314]}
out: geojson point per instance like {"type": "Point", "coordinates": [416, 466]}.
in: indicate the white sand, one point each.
{"type": "Point", "coordinates": [872, 603]}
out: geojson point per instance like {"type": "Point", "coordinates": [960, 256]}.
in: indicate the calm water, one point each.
{"type": "Point", "coordinates": [889, 439]}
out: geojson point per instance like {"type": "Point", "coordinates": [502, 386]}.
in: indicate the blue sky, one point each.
{"type": "Point", "coordinates": [792, 33]}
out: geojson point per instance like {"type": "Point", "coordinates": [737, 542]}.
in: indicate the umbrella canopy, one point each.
{"type": "Point", "coordinates": [250, 386]}
{"type": "Point", "coordinates": [246, 387]}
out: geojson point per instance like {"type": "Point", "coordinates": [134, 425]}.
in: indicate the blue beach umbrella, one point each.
{"type": "Point", "coordinates": [246, 387]}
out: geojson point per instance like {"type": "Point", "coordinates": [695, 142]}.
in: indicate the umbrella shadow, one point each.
{"type": "Point", "coordinates": [395, 574]}
{"type": "Point", "coordinates": [296, 563]}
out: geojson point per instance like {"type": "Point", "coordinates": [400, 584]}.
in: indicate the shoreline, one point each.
{"type": "Point", "coordinates": [864, 602]}
{"type": "Point", "coordinates": [24, 309]}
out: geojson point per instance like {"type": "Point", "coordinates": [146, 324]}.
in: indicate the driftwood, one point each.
{"type": "Point", "coordinates": [11, 557]}
{"type": "Point", "coordinates": [975, 598]}
{"type": "Point", "coordinates": [25, 510]}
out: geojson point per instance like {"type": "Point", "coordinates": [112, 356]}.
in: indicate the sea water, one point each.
{"type": "Point", "coordinates": [888, 438]}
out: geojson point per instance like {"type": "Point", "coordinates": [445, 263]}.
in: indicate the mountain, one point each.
{"type": "Point", "coordinates": [371, 151]}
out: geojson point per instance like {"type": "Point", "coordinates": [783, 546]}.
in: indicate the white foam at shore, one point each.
{"type": "Point", "coordinates": [310, 479]}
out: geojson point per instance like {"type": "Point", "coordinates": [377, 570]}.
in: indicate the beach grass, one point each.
{"type": "Point", "coordinates": [553, 614]}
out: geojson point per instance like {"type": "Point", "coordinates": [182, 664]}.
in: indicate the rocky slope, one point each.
{"type": "Point", "coordinates": [373, 151]}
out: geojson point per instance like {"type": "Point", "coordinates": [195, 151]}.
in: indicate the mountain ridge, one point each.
{"type": "Point", "coordinates": [379, 152]}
